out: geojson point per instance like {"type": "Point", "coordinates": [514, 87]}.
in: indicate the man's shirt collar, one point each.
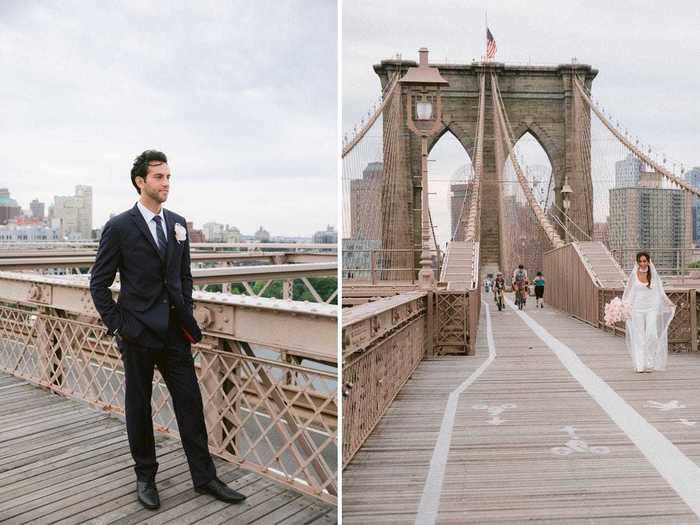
{"type": "Point", "coordinates": [148, 214]}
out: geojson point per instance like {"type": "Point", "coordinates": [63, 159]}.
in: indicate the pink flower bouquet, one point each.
{"type": "Point", "coordinates": [617, 310]}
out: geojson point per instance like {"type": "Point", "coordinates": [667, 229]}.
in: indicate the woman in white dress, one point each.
{"type": "Point", "coordinates": [646, 332]}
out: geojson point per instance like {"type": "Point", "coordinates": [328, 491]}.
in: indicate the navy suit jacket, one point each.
{"type": "Point", "coordinates": [151, 285]}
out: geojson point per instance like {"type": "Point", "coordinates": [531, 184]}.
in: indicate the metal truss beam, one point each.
{"type": "Point", "coordinates": [304, 329]}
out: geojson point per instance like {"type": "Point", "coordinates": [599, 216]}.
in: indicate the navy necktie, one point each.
{"type": "Point", "coordinates": [162, 243]}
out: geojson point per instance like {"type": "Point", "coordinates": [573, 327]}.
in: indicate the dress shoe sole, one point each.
{"type": "Point", "coordinates": [229, 500]}
{"type": "Point", "coordinates": [149, 506]}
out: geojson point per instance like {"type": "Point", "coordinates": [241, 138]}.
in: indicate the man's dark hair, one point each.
{"type": "Point", "coordinates": [521, 267]}
{"type": "Point", "coordinates": [539, 273]}
{"type": "Point", "coordinates": [140, 168]}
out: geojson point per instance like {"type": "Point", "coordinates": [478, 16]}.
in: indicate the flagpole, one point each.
{"type": "Point", "coordinates": [486, 21]}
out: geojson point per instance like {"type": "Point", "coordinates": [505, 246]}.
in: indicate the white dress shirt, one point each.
{"type": "Point", "coordinates": [148, 217]}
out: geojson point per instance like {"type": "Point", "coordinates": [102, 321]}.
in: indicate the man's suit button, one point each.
{"type": "Point", "coordinates": [165, 281]}
{"type": "Point", "coordinates": [165, 301]}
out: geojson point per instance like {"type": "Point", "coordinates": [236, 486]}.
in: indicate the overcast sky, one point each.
{"type": "Point", "coordinates": [240, 95]}
{"type": "Point", "coordinates": [647, 54]}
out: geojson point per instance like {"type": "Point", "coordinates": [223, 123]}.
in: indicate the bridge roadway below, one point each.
{"type": "Point", "coordinates": [552, 429]}
{"type": "Point", "coordinates": [64, 462]}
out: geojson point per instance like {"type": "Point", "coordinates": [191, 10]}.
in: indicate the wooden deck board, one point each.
{"type": "Point", "coordinates": [64, 462]}
{"type": "Point", "coordinates": [505, 470]}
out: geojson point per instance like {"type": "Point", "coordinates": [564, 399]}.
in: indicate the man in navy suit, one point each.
{"type": "Point", "coordinates": [153, 324]}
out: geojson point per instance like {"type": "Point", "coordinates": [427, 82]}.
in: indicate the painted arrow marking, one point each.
{"type": "Point", "coordinates": [665, 407]}
{"type": "Point", "coordinates": [495, 411]}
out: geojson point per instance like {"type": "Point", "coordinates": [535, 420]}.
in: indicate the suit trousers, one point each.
{"type": "Point", "coordinates": [176, 366]}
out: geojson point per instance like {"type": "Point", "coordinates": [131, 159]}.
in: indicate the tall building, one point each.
{"type": "Point", "coordinates": [74, 214]}
{"type": "Point", "coordinates": [213, 232]}
{"type": "Point", "coordinates": [627, 171]}
{"type": "Point", "coordinates": [37, 209]}
{"type": "Point", "coordinates": [327, 236]}
{"type": "Point", "coordinates": [366, 203]}
{"type": "Point", "coordinates": [9, 209]}
{"type": "Point", "coordinates": [195, 235]}
{"type": "Point", "coordinates": [693, 177]}
{"type": "Point", "coordinates": [85, 211]}
{"type": "Point", "coordinates": [262, 235]}
{"type": "Point", "coordinates": [232, 234]}
{"type": "Point", "coordinates": [538, 177]}
{"type": "Point", "coordinates": [651, 218]}
{"type": "Point", "coordinates": [458, 207]}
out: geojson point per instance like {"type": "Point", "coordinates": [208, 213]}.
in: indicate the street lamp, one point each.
{"type": "Point", "coordinates": [566, 192]}
{"type": "Point", "coordinates": [424, 118]}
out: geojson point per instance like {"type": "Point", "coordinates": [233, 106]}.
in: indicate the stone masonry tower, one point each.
{"type": "Point", "coordinates": [537, 99]}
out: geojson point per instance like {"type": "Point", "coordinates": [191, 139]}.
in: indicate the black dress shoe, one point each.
{"type": "Point", "coordinates": [148, 494]}
{"type": "Point", "coordinates": [219, 490]}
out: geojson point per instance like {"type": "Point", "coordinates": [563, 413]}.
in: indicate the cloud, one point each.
{"type": "Point", "coordinates": [239, 95]}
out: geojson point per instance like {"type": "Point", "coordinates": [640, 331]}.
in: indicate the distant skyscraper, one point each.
{"type": "Point", "coordinates": [538, 177]}
{"type": "Point", "coordinates": [262, 235]}
{"type": "Point", "coordinates": [627, 172]}
{"type": "Point", "coordinates": [37, 209]}
{"type": "Point", "coordinates": [693, 177]}
{"type": "Point", "coordinates": [9, 209]}
{"type": "Point", "coordinates": [74, 213]}
{"type": "Point", "coordinates": [366, 203]}
{"type": "Point", "coordinates": [458, 208]}
{"type": "Point", "coordinates": [652, 218]}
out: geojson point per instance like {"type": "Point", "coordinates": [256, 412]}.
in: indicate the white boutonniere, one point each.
{"type": "Point", "coordinates": [180, 232]}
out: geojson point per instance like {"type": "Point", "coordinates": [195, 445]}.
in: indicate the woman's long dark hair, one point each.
{"type": "Point", "coordinates": [645, 254]}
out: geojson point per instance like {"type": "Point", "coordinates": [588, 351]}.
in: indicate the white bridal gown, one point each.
{"type": "Point", "coordinates": [646, 333]}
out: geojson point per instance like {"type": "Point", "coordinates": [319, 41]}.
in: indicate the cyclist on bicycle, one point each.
{"type": "Point", "coordinates": [499, 286]}
{"type": "Point", "coordinates": [520, 286]}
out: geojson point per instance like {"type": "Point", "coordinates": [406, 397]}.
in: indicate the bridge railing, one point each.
{"type": "Point", "coordinates": [373, 266]}
{"type": "Point", "coordinates": [383, 343]}
{"type": "Point", "coordinates": [668, 261]}
{"type": "Point", "coordinates": [570, 285]}
{"type": "Point", "coordinates": [269, 395]}
{"type": "Point", "coordinates": [574, 287]}
{"type": "Point", "coordinates": [456, 321]}
{"type": "Point", "coordinates": [683, 332]}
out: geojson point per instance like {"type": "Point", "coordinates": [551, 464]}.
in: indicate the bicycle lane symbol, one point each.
{"type": "Point", "coordinates": [576, 444]}
{"type": "Point", "coordinates": [495, 411]}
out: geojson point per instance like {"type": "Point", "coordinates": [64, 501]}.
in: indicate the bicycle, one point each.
{"type": "Point", "coordinates": [499, 299]}
{"type": "Point", "coordinates": [520, 296]}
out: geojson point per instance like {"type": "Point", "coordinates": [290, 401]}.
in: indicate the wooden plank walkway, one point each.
{"type": "Point", "coordinates": [528, 442]}
{"type": "Point", "coordinates": [64, 462]}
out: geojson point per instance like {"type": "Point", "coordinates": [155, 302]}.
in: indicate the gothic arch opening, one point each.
{"type": "Point", "coordinates": [449, 173]}
{"type": "Point", "coordinates": [523, 240]}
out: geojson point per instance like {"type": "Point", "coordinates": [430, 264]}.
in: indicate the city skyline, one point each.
{"type": "Point", "coordinates": [232, 109]}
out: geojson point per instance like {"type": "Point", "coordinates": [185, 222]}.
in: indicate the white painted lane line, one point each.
{"type": "Point", "coordinates": [430, 500]}
{"type": "Point", "coordinates": [675, 467]}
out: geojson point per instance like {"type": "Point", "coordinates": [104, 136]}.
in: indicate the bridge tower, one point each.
{"type": "Point", "coordinates": [537, 99]}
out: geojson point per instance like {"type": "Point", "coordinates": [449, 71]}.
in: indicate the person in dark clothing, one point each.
{"type": "Point", "coordinates": [153, 323]}
{"type": "Point", "coordinates": [539, 290]}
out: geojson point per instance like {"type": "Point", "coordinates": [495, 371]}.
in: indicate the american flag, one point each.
{"type": "Point", "coordinates": [490, 44]}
